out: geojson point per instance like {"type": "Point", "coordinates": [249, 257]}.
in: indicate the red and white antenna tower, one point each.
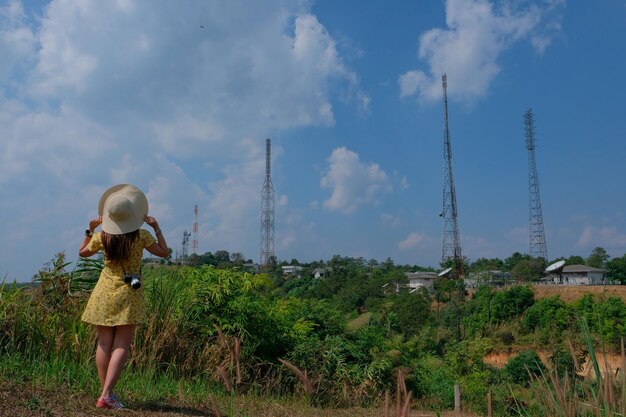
{"type": "Point", "coordinates": [194, 245]}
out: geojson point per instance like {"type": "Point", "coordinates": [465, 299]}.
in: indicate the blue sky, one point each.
{"type": "Point", "coordinates": [98, 93]}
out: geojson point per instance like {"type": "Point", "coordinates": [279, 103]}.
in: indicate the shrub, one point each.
{"type": "Point", "coordinates": [521, 367]}
{"type": "Point", "coordinates": [511, 303]}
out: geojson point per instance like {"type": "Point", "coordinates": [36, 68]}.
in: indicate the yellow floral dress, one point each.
{"type": "Point", "coordinates": [114, 302]}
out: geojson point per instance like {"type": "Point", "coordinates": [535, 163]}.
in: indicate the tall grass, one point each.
{"type": "Point", "coordinates": [565, 394]}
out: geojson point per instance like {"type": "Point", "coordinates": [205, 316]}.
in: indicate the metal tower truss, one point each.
{"type": "Point", "coordinates": [267, 212]}
{"type": "Point", "coordinates": [194, 245]}
{"type": "Point", "coordinates": [186, 236]}
{"type": "Point", "coordinates": [451, 247]}
{"type": "Point", "coordinates": [536, 232]}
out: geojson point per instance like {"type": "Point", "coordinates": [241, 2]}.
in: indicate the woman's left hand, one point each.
{"type": "Point", "coordinates": [151, 222]}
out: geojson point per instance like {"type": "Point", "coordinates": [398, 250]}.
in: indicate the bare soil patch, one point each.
{"type": "Point", "coordinates": [571, 293]}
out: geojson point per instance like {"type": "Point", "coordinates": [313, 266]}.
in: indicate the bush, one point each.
{"type": "Point", "coordinates": [525, 365]}
{"type": "Point", "coordinates": [433, 382]}
{"type": "Point", "coordinates": [506, 337]}
{"type": "Point", "coordinates": [547, 313]}
{"type": "Point", "coordinates": [511, 303]}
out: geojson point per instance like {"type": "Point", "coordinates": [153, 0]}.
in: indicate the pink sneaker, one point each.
{"type": "Point", "coordinates": [110, 403]}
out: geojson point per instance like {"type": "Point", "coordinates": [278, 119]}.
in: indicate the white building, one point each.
{"type": "Point", "coordinates": [320, 272]}
{"type": "Point", "coordinates": [578, 275]}
{"type": "Point", "coordinates": [420, 279]}
{"type": "Point", "coordinates": [292, 270]}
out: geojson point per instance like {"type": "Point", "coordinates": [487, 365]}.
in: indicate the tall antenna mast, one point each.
{"type": "Point", "coordinates": [185, 255]}
{"type": "Point", "coordinates": [537, 237]}
{"type": "Point", "coordinates": [194, 245]}
{"type": "Point", "coordinates": [267, 212]}
{"type": "Point", "coordinates": [451, 247]}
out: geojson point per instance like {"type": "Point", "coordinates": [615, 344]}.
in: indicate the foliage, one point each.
{"type": "Point", "coordinates": [196, 314]}
{"type": "Point", "coordinates": [412, 311]}
{"type": "Point", "coordinates": [574, 260]}
{"type": "Point", "coordinates": [528, 269]}
{"type": "Point", "coordinates": [546, 313]}
{"type": "Point", "coordinates": [563, 394]}
{"type": "Point", "coordinates": [489, 307]}
{"type": "Point", "coordinates": [513, 260]}
{"type": "Point", "coordinates": [607, 317]}
{"type": "Point", "coordinates": [526, 365]}
{"type": "Point", "coordinates": [598, 258]}
{"type": "Point", "coordinates": [616, 269]}
{"type": "Point", "coordinates": [484, 264]}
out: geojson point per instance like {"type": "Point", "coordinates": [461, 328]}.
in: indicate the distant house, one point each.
{"type": "Point", "coordinates": [320, 272]}
{"type": "Point", "coordinates": [420, 279]}
{"type": "Point", "coordinates": [152, 261]}
{"type": "Point", "coordinates": [578, 275]}
{"type": "Point", "coordinates": [292, 270]}
{"type": "Point", "coordinates": [252, 266]}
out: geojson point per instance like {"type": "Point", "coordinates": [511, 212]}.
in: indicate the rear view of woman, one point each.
{"type": "Point", "coordinates": [117, 303]}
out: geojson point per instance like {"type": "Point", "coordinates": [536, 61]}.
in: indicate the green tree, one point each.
{"type": "Point", "coordinates": [616, 269]}
{"type": "Point", "coordinates": [445, 289]}
{"type": "Point", "coordinates": [484, 264]}
{"type": "Point", "coordinates": [612, 319]}
{"type": "Point", "coordinates": [511, 261]}
{"type": "Point", "coordinates": [575, 260]}
{"type": "Point", "coordinates": [237, 258]}
{"type": "Point", "coordinates": [528, 269]}
{"type": "Point", "coordinates": [546, 313]}
{"type": "Point", "coordinates": [511, 303]}
{"type": "Point", "coordinates": [412, 311]}
{"type": "Point", "coordinates": [598, 258]}
{"type": "Point", "coordinates": [521, 367]}
{"type": "Point", "coordinates": [222, 256]}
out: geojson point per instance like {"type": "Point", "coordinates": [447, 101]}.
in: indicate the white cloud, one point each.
{"type": "Point", "coordinates": [404, 183]}
{"type": "Point", "coordinates": [95, 93]}
{"type": "Point", "coordinates": [282, 201]}
{"type": "Point", "coordinates": [412, 241]}
{"type": "Point", "coordinates": [518, 235]}
{"type": "Point", "coordinates": [353, 183]}
{"type": "Point", "coordinates": [607, 237]}
{"type": "Point", "coordinates": [390, 220]}
{"type": "Point", "coordinates": [287, 241]}
{"type": "Point", "coordinates": [17, 41]}
{"type": "Point", "coordinates": [478, 32]}
{"type": "Point", "coordinates": [410, 81]}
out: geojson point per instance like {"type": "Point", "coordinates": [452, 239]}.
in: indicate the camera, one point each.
{"type": "Point", "coordinates": [133, 280]}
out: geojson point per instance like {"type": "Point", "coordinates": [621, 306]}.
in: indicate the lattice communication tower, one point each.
{"type": "Point", "coordinates": [186, 236]}
{"type": "Point", "coordinates": [267, 212]}
{"type": "Point", "coordinates": [194, 245]}
{"type": "Point", "coordinates": [451, 247]}
{"type": "Point", "coordinates": [536, 233]}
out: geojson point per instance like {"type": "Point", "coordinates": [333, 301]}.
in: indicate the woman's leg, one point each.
{"type": "Point", "coordinates": [123, 336]}
{"type": "Point", "coordinates": [103, 351]}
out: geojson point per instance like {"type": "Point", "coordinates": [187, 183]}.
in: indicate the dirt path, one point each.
{"type": "Point", "coordinates": [22, 400]}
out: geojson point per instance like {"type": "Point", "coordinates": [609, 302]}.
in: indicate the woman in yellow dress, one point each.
{"type": "Point", "coordinates": [117, 303]}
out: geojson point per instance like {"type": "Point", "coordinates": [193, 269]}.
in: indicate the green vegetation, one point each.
{"type": "Point", "coordinates": [339, 340]}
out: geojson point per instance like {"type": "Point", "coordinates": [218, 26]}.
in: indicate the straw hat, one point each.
{"type": "Point", "coordinates": [123, 208]}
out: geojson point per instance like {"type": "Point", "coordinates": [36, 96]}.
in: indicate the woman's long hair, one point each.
{"type": "Point", "coordinates": [117, 247]}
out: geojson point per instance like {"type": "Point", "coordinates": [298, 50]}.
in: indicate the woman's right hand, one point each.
{"type": "Point", "coordinates": [95, 222]}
